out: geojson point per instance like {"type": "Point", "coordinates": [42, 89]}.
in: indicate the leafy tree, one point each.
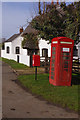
{"type": "Point", "coordinates": [72, 21]}
{"type": "Point", "coordinates": [64, 21]}
{"type": "Point", "coordinates": [30, 41]}
{"type": "Point", "coordinates": [50, 24]}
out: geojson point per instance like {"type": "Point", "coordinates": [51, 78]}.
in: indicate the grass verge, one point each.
{"type": "Point", "coordinates": [60, 95]}
{"type": "Point", "coordinates": [14, 64]}
{"type": "Point", "coordinates": [21, 68]}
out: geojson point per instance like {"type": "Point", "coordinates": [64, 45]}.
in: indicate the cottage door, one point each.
{"type": "Point", "coordinates": [30, 60]}
{"type": "Point", "coordinates": [18, 58]}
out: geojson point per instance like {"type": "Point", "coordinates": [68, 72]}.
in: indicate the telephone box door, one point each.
{"type": "Point", "coordinates": [65, 65]}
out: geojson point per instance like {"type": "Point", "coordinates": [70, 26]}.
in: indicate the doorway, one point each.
{"type": "Point", "coordinates": [18, 58]}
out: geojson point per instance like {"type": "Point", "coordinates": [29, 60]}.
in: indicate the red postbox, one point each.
{"type": "Point", "coordinates": [36, 60]}
{"type": "Point", "coordinates": [61, 61]}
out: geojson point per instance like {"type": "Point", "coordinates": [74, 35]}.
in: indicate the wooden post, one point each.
{"type": "Point", "coordinates": [36, 73]}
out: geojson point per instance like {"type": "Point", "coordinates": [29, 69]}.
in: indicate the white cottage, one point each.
{"type": "Point", "coordinates": [12, 48]}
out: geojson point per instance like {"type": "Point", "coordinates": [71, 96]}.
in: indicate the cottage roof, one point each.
{"type": "Point", "coordinates": [31, 45]}
{"type": "Point", "coordinates": [12, 38]}
{"type": "Point", "coordinates": [29, 30]}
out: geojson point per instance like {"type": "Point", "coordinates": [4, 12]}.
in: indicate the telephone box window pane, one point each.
{"type": "Point", "coordinates": [52, 69]}
{"type": "Point", "coordinates": [66, 62]}
{"type": "Point", "coordinates": [66, 70]}
{"type": "Point", "coordinates": [53, 57]}
{"type": "Point", "coordinates": [53, 48]}
{"type": "Point", "coordinates": [65, 65]}
{"type": "Point", "coordinates": [53, 52]}
{"type": "Point", "coordinates": [52, 65]}
{"type": "Point", "coordinates": [52, 77]}
{"type": "Point", "coordinates": [66, 58]}
{"type": "Point", "coordinates": [65, 53]}
{"type": "Point", "coordinates": [53, 61]}
{"type": "Point", "coordinates": [52, 73]}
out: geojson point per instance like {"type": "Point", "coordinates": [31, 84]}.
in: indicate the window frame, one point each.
{"type": "Point", "coordinates": [17, 50]}
{"type": "Point", "coordinates": [43, 52]}
{"type": "Point", "coordinates": [8, 50]}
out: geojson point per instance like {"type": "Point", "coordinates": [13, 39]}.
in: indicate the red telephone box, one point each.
{"type": "Point", "coordinates": [36, 60]}
{"type": "Point", "coordinates": [61, 61]}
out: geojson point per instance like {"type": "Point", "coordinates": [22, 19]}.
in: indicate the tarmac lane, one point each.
{"type": "Point", "coordinates": [17, 103]}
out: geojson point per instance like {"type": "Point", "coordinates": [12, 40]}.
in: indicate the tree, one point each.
{"type": "Point", "coordinates": [72, 21]}
{"type": "Point", "coordinates": [59, 20]}
{"type": "Point", "coordinates": [50, 24]}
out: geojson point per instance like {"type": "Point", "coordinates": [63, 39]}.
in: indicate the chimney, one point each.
{"type": "Point", "coordinates": [21, 30]}
{"type": "Point", "coordinates": [57, 2]}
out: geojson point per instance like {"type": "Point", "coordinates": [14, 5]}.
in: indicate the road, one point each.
{"type": "Point", "coordinates": [17, 103]}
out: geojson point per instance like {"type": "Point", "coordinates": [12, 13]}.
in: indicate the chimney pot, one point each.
{"type": "Point", "coordinates": [21, 29]}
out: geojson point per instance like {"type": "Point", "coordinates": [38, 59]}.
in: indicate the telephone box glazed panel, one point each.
{"type": "Point", "coordinates": [61, 61]}
{"type": "Point", "coordinates": [36, 60]}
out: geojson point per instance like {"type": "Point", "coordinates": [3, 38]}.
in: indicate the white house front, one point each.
{"type": "Point", "coordinates": [12, 49]}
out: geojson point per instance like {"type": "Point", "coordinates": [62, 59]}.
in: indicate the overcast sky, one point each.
{"type": "Point", "coordinates": [16, 14]}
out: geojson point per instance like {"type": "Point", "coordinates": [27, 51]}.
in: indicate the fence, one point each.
{"type": "Point", "coordinates": [76, 66]}
{"type": "Point", "coordinates": [45, 62]}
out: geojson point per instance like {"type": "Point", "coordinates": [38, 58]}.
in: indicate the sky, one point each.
{"type": "Point", "coordinates": [15, 15]}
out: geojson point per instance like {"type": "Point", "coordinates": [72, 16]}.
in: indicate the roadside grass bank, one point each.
{"type": "Point", "coordinates": [14, 64]}
{"type": "Point", "coordinates": [21, 68]}
{"type": "Point", "coordinates": [65, 96]}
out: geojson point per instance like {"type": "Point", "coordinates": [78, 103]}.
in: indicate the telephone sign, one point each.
{"type": "Point", "coordinates": [61, 61]}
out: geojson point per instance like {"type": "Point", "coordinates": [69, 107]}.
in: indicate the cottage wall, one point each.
{"type": "Point", "coordinates": [4, 52]}
{"type": "Point", "coordinates": [44, 44]}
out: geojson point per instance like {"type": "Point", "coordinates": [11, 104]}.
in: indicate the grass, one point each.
{"type": "Point", "coordinates": [21, 68]}
{"type": "Point", "coordinates": [60, 95]}
{"type": "Point", "coordinates": [14, 64]}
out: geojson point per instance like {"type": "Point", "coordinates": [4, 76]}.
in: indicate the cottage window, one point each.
{"type": "Point", "coordinates": [8, 50]}
{"type": "Point", "coordinates": [17, 50]}
{"type": "Point", "coordinates": [44, 52]}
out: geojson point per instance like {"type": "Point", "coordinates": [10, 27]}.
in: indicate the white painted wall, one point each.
{"type": "Point", "coordinates": [4, 52]}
